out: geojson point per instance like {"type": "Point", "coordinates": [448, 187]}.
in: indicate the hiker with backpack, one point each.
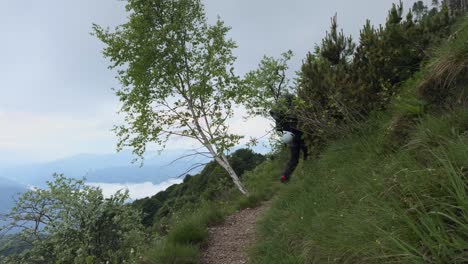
{"type": "Point", "coordinates": [287, 125]}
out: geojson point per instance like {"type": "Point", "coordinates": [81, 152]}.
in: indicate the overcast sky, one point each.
{"type": "Point", "coordinates": [55, 88]}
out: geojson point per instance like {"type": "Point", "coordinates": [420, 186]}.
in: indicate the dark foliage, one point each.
{"type": "Point", "coordinates": [341, 82]}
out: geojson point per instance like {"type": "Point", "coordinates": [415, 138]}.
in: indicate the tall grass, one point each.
{"type": "Point", "coordinates": [171, 253]}
{"type": "Point", "coordinates": [361, 204]}
{"type": "Point", "coordinates": [182, 243]}
{"type": "Point", "coordinates": [448, 69]}
{"type": "Point", "coordinates": [439, 218]}
{"type": "Point", "coordinates": [394, 191]}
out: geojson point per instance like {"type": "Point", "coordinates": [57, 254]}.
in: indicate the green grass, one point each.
{"type": "Point", "coordinates": [250, 201]}
{"type": "Point", "coordinates": [171, 253]}
{"type": "Point", "coordinates": [185, 238]}
{"type": "Point", "coordinates": [262, 182]}
{"type": "Point", "coordinates": [394, 191]}
{"type": "Point", "coordinates": [361, 204]}
{"type": "Point", "coordinates": [188, 232]}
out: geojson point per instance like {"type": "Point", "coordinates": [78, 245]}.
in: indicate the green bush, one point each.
{"type": "Point", "coordinates": [250, 201]}
{"type": "Point", "coordinates": [341, 82]}
{"type": "Point", "coordinates": [209, 214]}
{"type": "Point", "coordinates": [445, 80]}
{"type": "Point", "coordinates": [164, 252]}
{"type": "Point", "coordinates": [190, 231]}
{"type": "Point", "coordinates": [71, 222]}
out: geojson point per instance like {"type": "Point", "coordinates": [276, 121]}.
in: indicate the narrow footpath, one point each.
{"type": "Point", "coordinates": [229, 242]}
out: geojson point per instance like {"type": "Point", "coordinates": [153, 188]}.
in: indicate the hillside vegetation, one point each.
{"type": "Point", "coordinates": [393, 191]}
{"type": "Point", "coordinates": [211, 184]}
{"type": "Point", "coordinates": [386, 120]}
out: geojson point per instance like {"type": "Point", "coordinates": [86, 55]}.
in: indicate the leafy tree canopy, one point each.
{"type": "Point", "coordinates": [177, 77]}
{"type": "Point", "coordinates": [70, 222]}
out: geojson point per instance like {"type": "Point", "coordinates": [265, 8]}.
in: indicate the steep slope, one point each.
{"type": "Point", "coordinates": [393, 191]}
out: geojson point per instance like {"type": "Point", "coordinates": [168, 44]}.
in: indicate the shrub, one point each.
{"type": "Point", "coordinates": [164, 252]}
{"type": "Point", "coordinates": [209, 214]}
{"type": "Point", "coordinates": [250, 201]}
{"type": "Point", "coordinates": [190, 231]}
{"type": "Point", "coordinates": [340, 84]}
{"type": "Point", "coordinates": [448, 70]}
{"type": "Point", "coordinates": [71, 222]}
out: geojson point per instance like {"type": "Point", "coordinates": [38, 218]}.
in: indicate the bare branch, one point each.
{"type": "Point", "coordinates": [194, 166]}
{"type": "Point", "coordinates": [189, 155]}
{"type": "Point", "coordinates": [283, 77]}
{"type": "Point", "coordinates": [180, 134]}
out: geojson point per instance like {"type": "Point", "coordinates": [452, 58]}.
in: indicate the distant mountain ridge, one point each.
{"type": "Point", "coordinates": [8, 191]}
{"type": "Point", "coordinates": [110, 168]}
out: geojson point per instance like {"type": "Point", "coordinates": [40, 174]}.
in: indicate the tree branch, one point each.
{"type": "Point", "coordinates": [190, 155]}
{"type": "Point", "coordinates": [194, 166]}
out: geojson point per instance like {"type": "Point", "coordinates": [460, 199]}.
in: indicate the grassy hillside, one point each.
{"type": "Point", "coordinates": [387, 187]}
{"type": "Point", "coordinates": [395, 190]}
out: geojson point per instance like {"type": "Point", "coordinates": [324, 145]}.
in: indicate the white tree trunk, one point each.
{"type": "Point", "coordinates": [222, 161]}
{"type": "Point", "coordinates": [225, 164]}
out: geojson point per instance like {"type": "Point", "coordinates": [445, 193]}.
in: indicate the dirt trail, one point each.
{"type": "Point", "coordinates": [229, 242]}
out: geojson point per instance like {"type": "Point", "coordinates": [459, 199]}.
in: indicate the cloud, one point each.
{"type": "Point", "coordinates": [50, 62]}
{"type": "Point", "coordinates": [136, 190]}
{"type": "Point", "coordinates": [255, 127]}
{"type": "Point", "coordinates": [52, 136]}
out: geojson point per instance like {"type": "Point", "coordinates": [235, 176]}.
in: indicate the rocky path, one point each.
{"type": "Point", "coordinates": [229, 242]}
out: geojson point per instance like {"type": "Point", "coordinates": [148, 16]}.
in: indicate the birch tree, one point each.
{"type": "Point", "coordinates": [264, 87]}
{"type": "Point", "coordinates": [177, 77]}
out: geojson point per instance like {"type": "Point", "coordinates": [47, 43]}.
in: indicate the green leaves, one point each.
{"type": "Point", "coordinates": [175, 70]}
{"type": "Point", "coordinates": [263, 87]}
{"type": "Point", "coordinates": [336, 48]}
{"type": "Point", "coordinates": [176, 73]}
{"type": "Point", "coordinates": [70, 222]}
{"type": "Point", "coordinates": [341, 82]}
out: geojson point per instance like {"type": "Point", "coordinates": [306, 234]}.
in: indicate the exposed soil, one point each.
{"type": "Point", "coordinates": [229, 242]}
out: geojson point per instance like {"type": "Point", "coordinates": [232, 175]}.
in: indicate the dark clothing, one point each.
{"type": "Point", "coordinates": [285, 122]}
{"type": "Point", "coordinates": [289, 123]}
{"type": "Point", "coordinates": [295, 149]}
